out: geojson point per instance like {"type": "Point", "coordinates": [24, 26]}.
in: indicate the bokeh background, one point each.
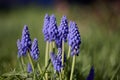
{"type": "Point", "coordinates": [98, 22]}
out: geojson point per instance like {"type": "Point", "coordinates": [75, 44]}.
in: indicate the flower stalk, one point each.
{"type": "Point", "coordinates": [72, 69]}
{"type": "Point", "coordinates": [22, 63]}
{"type": "Point", "coordinates": [62, 58]}
{"type": "Point", "coordinates": [40, 70]}
{"type": "Point", "coordinates": [30, 60]}
{"type": "Point", "coordinates": [46, 57]}
{"type": "Point", "coordinates": [68, 56]}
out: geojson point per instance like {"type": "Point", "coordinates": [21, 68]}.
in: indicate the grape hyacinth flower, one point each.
{"type": "Point", "coordinates": [63, 32]}
{"type": "Point", "coordinates": [63, 29]}
{"type": "Point", "coordinates": [46, 27]}
{"type": "Point", "coordinates": [91, 74]}
{"type": "Point", "coordinates": [53, 30]}
{"type": "Point", "coordinates": [29, 68]}
{"type": "Point", "coordinates": [57, 64]}
{"type": "Point", "coordinates": [26, 40]}
{"type": "Point", "coordinates": [20, 51]}
{"type": "Point", "coordinates": [74, 42]}
{"type": "Point", "coordinates": [74, 39]}
{"type": "Point", "coordinates": [35, 50]}
{"type": "Point", "coordinates": [59, 55]}
{"type": "Point", "coordinates": [46, 38]}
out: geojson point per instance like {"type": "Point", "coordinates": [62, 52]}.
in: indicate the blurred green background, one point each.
{"type": "Point", "coordinates": [99, 26]}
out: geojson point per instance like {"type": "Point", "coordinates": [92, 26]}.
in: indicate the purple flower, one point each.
{"type": "Point", "coordinates": [74, 39]}
{"type": "Point", "coordinates": [46, 27]}
{"type": "Point", "coordinates": [57, 63]}
{"type": "Point", "coordinates": [25, 41]}
{"type": "Point", "coordinates": [35, 50]}
{"type": "Point", "coordinates": [63, 32]}
{"type": "Point", "coordinates": [53, 30]}
{"type": "Point", "coordinates": [59, 55]}
{"type": "Point", "coordinates": [29, 68]}
{"type": "Point", "coordinates": [91, 74]}
{"type": "Point", "coordinates": [20, 51]}
{"type": "Point", "coordinates": [63, 28]}
{"type": "Point", "coordinates": [57, 60]}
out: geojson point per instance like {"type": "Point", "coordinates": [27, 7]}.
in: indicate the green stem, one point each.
{"type": "Point", "coordinates": [46, 68]}
{"type": "Point", "coordinates": [40, 70]}
{"type": "Point", "coordinates": [53, 44]}
{"type": "Point", "coordinates": [60, 76]}
{"type": "Point", "coordinates": [30, 60]}
{"type": "Point", "coordinates": [51, 47]}
{"type": "Point", "coordinates": [29, 57]}
{"type": "Point", "coordinates": [23, 65]}
{"type": "Point", "coordinates": [46, 57]}
{"type": "Point", "coordinates": [72, 69]}
{"type": "Point", "coordinates": [62, 57]}
{"type": "Point", "coordinates": [68, 56]}
{"type": "Point", "coordinates": [62, 52]}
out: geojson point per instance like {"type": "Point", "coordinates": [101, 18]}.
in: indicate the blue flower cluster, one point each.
{"type": "Point", "coordinates": [26, 40]}
{"type": "Point", "coordinates": [74, 39]}
{"type": "Point", "coordinates": [35, 50]}
{"type": "Point", "coordinates": [57, 64]}
{"type": "Point", "coordinates": [62, 32]}
{"type": "Point", "coordinates": [46, 27]}
{"type": "Point", "coordinates": [59, 55]}
{"type": "Point", "coordinates": [29, 68]}
{"type": "Point", "coordinates": [24, 44]}
{"type": "Point", "coordinates": [91, 74]}
{"type": "Point", "coordinates": [52, 33]}
{"type": "Point", "coordinates": [19, 45]}
{"type": "Point", "coordinates": [53, 30]}
{"type": "Point", "coordinates": [63, 29]}
{"type": "Point", "coordinates": [57, 60]}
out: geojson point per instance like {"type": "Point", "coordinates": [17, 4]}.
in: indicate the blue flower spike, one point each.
{"type": "Point", "coordinates": [26, 40]}
{"type": "Point", "coordinates": [59, 55]}
{"type": "Point", "coordinates": [46, 38]}
{"type": "Point", "coordinates": [35, 50]}
{"type": "Point", "coordinates": [74, 39]}
{"type": "Point", "coordinates": [29, 68]}
{"type": "Point", "coordinates": [46, 27]}
{"type": "Point", "coordinates": [53, 30]}
{"type": "Point", "coordinates": [91, 74]}
{"type": "Point", "coordinates": [57, 63]}
{"type": "Point", "coordinates": [63, 28]}
{"type": "Point", "coordinates": [63, 32]}
{"type": "Point", "coordinates": [19, 46]}
{"type": "Point", "coordinates": [74, 42]}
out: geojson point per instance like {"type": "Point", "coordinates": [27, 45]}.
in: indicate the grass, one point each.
{"type": "Point", "coordinates": [100, 46]}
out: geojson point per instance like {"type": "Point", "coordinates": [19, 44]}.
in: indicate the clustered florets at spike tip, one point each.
{"type": "Point", "coordinates": [63, 29]}
{"type": "Point", "coordinates": [20, 51]}
{"type": "Point", "coordinates": [62, 32]}
{"type": "Point", "coordinates": [29, 68]}
{"type": "Point", "coordinates": [53, 30]}
{"type": "Point", "coordinates": [46, 27]}
{"type": "Point", "coordinates": [59, 55]}
{"type": "Point", "coordinates": [57, 64]}
{"type": "Point", "coordinates": [24, 44]}
{"type": "Point", "coordinates": [26, 40]}
{"type": "Point", "coordinates": [74, 39]}
{"type": "Point", "coordinates": [35, 50]}
{"type": "Point", "coordinates": [57, 60]}
{"type": "Point", "coordinates": [91, 74]}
